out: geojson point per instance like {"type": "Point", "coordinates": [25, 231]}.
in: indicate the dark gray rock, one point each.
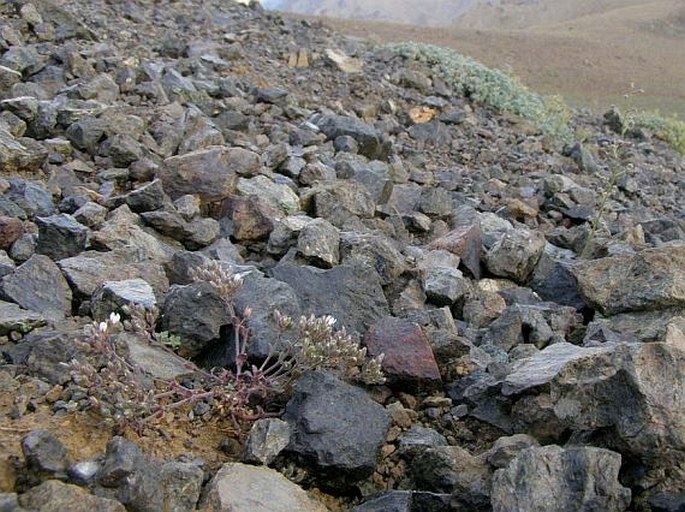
{"type": "Point", "coordinates": [406, 501]}
{"type": "Point", "coordinates": [371, 142]}
{"type": "Point", "coordinates": [541, 368]}
{"type": "Point", "coordinates": [264, 296]}
{"type": "Point", "coordinates": [43, 353]}
{"type": "Point", "coordinates": [30, 196]}
{"type": "Point", "coordinates": [123, 230]}
{"type": "Point", "coordinates": [61, 236]}
{"type": "Point", "coordinates": [146, 198]}
{"type": "Point", "coordinates": [90, 214]}
{"type": "Point", "coordinates": [551, 478]}
{"type": "Point", "coordinates": [554, 281]}
{"type": "Point", "coordinates": [377, 178]}
{"type": "Point", "coordinates": [122, 459]}
{"type": "Point", "coordinates": [337, 430]}
{"type": "Point", "coordinates": [351, 294]}
{"type": "Point", "coordinates": [444, 286]}
{"type": "Point", "coordinates": [451, 470]}
{"type": "Point", "coordinates": [409, 361]}
{"type": "Point", "coordinates": [636, 391]}
{"type": "Point", "coordinates": [38, 285]}
{"type": "Point", "coordinates": [45, 455]}
{"type": "Point", "coordinates": [538, 324]}
{"type": "Point", "coordinates": [196, 313]}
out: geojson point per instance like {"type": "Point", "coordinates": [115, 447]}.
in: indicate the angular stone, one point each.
{"type": "Point", "coordinates": [15, 319]}
{"type": "Point", "coordinates": [264, 296]}
{"type": "Point", "coordinates": [122, 459]}
{"type": "Point", "coordinates": [371, 143]}
{"type": "Point", "coordinates": [338, 201]}
{"type": "Point", "coordinates": [44, 453]}
{"type": "Point", "coordinates": [337, 429]}
{"type": "Point", "coordinates": [91, 214]}
{"type": "Point", "coordinates": [538, 324]}
{"type": "Point", "coordinates": [146, 198]}
{"type": "Point", "coordinates": [155, 361]}
{"type": "Point", "coordinates": [122, 230]}
{"type": "Point", "coordinates": [373, 251]}
{"type": "Point", "coordinates": [506, 449]}
{"type": "Point", "coordinates": [406, 501]}
{"type": "Point", "coordinates": [551, 478]}
{"type": "Point", "coordinates": [10, 230]}
{"type": "Point", "coordinates": [465, 242]}
{"type": "Point", "coordinates": [279, 195]}
{"type": "Point", "coordinates": [377, 179]}
{"type": "Point", "coordinates": [351, 294]}
{"type": "Point", "coordinates": [651, 279]}
{"type": "Point", "coordinates": [233, 490]}
{"type": "Point", "coordinates": [515, 255]}
{"type": "Point", "coordinates": [156, 485]}
{"type": "Point", "coordinates": [112, 296]}
{"type": "Point", "coordinates": [441, 280]}
{"type": "Point", "coordinates": [56, 496]}
{"type": "Point", "coordinates": [195, 312]}
{"type": "Point", "coordinates": [268, 438]}
{"type": "Point", "coordinates": [61, 236]}
{"type": "Point", "coordinates": [319, 242]}
{"type": "Point", "coordinates": [451, 470]}
{"type": "Point", "coordinates": [210, 173]}
{"type": "Point", "coordinates": [540, 369]}
{"type": "Point", "coordinates": [634, 391]}
{"type": "Point", "coordinates": [38, 285]}
{"type": "Point", "coordinates": [90, 270]}
{"type": "Point", "coordinates": [253, 218]}
{"type": "Point", "coordinates": [30, 196]}
{"type": "Point", "coordinates": [554, 281]}
{"type": "Point", "coordinates": [409, 361]}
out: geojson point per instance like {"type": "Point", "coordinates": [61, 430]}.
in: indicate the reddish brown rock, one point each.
{"type": "Point", "coordinates": [409, 361]}
{"type": "Point", "coordinates": [10, 229]}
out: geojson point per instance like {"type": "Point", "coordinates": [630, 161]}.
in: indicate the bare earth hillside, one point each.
{"type": "Point", "coordinates": [589, 52]}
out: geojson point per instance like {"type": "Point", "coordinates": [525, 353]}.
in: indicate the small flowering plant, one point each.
{"type": "Point", "coordinates": [123, 394]}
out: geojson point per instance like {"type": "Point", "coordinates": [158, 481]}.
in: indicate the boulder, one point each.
{"type": "Point", "coordinates": [651, 279]}
{"type": "Point", "coordinates": [552, 478]}
{"type": "Point", "coordinates": [350, 293]}
{"type": "Point", "coordinates": [337, 430]}
{"type": "Point", "coordinates": [38, 285]}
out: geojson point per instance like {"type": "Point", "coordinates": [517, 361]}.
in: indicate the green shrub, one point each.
{"type": "Point", "coordinates": [668, 129]}
{"type": "Point", "coordinates": [492, 87]}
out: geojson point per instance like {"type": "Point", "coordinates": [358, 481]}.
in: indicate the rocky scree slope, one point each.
{"type": "Point", "coordinates": [140, 139]}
